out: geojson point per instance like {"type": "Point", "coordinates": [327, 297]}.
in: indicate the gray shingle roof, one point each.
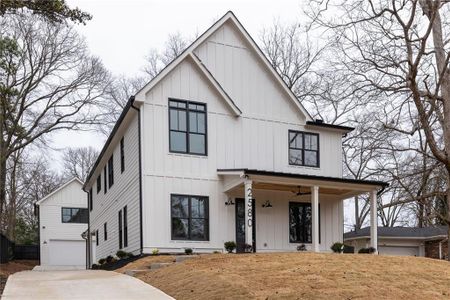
{"type": "Point", "coordinates": [402, 232]}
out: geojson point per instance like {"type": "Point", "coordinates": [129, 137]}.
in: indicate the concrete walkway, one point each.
{"type": "Point", "coordinates": [86, 284]}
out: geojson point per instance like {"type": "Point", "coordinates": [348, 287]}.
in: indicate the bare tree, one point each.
{"type": "Point", "coordinates": [399, 48]}
{"type": "Point", "coordinates": [78, 162]}
{"type": "Point", "coordinates": [49, 81]}
{"type": "Point", "coordinates": [157, 60]}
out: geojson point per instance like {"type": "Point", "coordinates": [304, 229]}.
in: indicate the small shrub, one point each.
{"type": "Point", "coordinates": [155, 251]}
{"type": "Point", "coordinates": [369, 250]}
{"type": "Point", "coordinates": [130, 255]}
{"type": "Point", "coordinates": [95, 267]}
{"type": "Point", "coordinates": [248, 248]}
{"type": "Point", "coordinates": [216, 252]}
{"type": "Point", "coordinates": [109, 259]}
{"type": "Point", "coordinates": [188, 251]}
{"type": "Point", "coordinates": [101, 261]}
{"type": "Point", "coordinates": [301, 247]}
{"type": "Point", "coordinates": [121, 254]}
{"type": "Point", "coordinates": [230, 246]}
{"type": "Point", "coordinates": [337, 247]}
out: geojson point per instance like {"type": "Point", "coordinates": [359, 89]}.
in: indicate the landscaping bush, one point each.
{"type": "Point", "coordinates": [188, 251]}
{"type": "Point", "coordinates": [301, 247]}
{"type": "Point", "coordinates": [216, 252]}
{"type": "Point", "coordinates": [101, 261]}
{"type": "Point", "coordinates": [230, 246]}
{"type": "Point", "coordinates": [248, 248]}
{"type": "Point", "coordinates": [337, 247]}
{"type": "Point", "coordinates": [121, 254]}
{"type": "Point", "coordinates": [95, 267]}
{"type": "Point", "coordinates": [155, 251]}
{"type": "Point", "coordinates": [369, 250]}
{"type": "Point", "coordinates": [110, 259]}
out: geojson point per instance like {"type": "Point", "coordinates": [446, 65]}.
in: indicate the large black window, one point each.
{"type": "Point", "coordinates": [90, 199]}
{"type": "Point", "coordinates": [99, 183]}
{"type": "Point", "coordinates": [105, 231]}
{"type": "Point", "coordinates": [187, 127]}
{"type": "Point", "coordinates": [125, 226]}
{"type": "Point", "coordinates": [303, 148]}
{"type": "Point", "coordinates": [300, 222]}
{"type": "Point", "coordinates": [74, 215]}
{"type": "Point", "coordinates": [190, 218]}
{"type": "Point", "coordinates": [120, 229]}
{"type": "Point", "coordinates": [110, 171]}
{"type": "Point", "coordinates": [122, 156]}
{"type": "Point", "coordinates": [105, 181]}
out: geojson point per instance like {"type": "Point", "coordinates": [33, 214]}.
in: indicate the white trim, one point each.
{"type": "Point", "coordinates": [229, 16]}
{"type": "Point", "coordinates": [197, 61]}
{"type": "Point", "coordinates": [59, 189]}
{"type": "Point", "coordinates": [380, 237]}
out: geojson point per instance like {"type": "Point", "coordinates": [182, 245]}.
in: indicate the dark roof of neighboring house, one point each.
{"type": "Point", "coordinates": [400, 232]}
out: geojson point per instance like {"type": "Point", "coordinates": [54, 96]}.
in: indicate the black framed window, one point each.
{"type": "Point", "coordinates": [190, 217]}
{"type": "Point", "coordinates": [99, 183]}
{"type": "Point", "coordinates": [105, 181]}
{"type": "Point", "coordinates": [97, 238]}
{"type": "Point", "coordinates": [74, 215]}
{"type": "Point", "coordinates": [303, 148]}
{"type": "Point", "coordinates": [105, 230]}
{"type": "Point", "coordinates": [125, 227]}
{"type": "Point", "coordinates": [120, 229]}
{"type": "Point", "coordinates": [187, 127]}
{"type": "Point", "coordinates": [90, 199]}
{"type": "Point", "coordinates": [300, 222]}
{"type": "Point", "coordinates": [111, 171]}
{"type": "Point", "coordinates": [122, 155]}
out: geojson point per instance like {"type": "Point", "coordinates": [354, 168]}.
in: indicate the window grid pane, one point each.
{"type": "Point", "coordinates": [303, 149]}
{"type": "Point", "coordinates": [189, 217]}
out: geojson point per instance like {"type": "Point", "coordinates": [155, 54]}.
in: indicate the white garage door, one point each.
{"type": "Point", "coordinates": [398, 250]}
{"type": "Point", "coordinates": [67, 253]}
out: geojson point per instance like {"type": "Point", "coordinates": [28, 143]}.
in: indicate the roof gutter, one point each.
{"type": "Point", "coordinates": [108, 141]}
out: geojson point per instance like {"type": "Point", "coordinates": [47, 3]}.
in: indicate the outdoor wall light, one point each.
{"type": "Point", "coordinates": [229, 202]}
{"type": "Point", "coordinates": [267, 204]}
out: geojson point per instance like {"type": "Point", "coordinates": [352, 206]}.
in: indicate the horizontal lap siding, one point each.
{"type": "Point", "coordinates": [125, 191]}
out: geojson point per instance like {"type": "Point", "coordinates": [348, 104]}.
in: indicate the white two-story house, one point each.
{"type": "Point", "coordinates": [217, 148]}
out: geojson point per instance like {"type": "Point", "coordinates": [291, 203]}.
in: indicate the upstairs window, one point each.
{"type": "Point", "coordinates": [122, 156]}
{"type": "Point", "coordinates": [90, 199]}
{"type": "Point", "coordinates": [111, 171]}
{"type": "Point", "coordinates": [74, 215]}
{"type": "Point", "coordinates": [105, 181]}
{"type": "Point", "coordinates": [99, 183]}
{"type": "Point", "coordinates": [187, 127]}
{"type": "Point", "coordinates": [303, 148]}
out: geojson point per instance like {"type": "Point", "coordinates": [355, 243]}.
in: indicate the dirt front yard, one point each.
{"type": "Point", "coordinates": [301, 276]}
{"type": "Point", "coordinates": [13, 267]}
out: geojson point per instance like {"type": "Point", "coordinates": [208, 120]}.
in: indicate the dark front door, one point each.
{"type": "Point", "coordinates": [240, 225]}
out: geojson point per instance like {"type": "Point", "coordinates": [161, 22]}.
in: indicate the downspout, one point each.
{"type": "Point", "coordinates": [140, 174]}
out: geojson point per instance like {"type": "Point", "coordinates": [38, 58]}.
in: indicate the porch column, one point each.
{"type": "Point", "coordinates": [373, 220]}
{"type": "Point", "coordinates": [315, 217]}
{"type": "Point", "coordinates": [248, 212]}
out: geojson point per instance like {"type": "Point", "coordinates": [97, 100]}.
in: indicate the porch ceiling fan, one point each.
{"type": "Point", "coordinates": [300, 193]}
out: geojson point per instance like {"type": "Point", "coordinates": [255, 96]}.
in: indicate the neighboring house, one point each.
{"type": "Point", "coordinates": [217, 148]}
{"type": "Point", "coordinates": [63, 217]}
{"type": "Point", "coordinates": [411, 241]}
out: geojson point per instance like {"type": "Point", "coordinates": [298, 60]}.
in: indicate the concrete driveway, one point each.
{"type": "Point", "coordinates": [86, 284]}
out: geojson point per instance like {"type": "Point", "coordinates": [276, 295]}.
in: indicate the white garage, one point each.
{"type": "Point", "coordinates": [399, 250]}
{"type": "Point", "coordinates": [63, 217]}
{"type": "Point", "coordinates": [67, 253]}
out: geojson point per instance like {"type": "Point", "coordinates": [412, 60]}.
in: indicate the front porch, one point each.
{"type": "Point", "coordinates": [281, 211]}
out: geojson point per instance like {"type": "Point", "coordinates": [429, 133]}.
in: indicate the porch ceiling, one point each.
{"type": "Point", "coordinates": [297, 189]}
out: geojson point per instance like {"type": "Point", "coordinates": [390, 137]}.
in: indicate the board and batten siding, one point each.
{"type": "Point", "coordinates": [125, 191]}
{"type": "Point", "coordinates": [50, 218]}
{"type": "Point", "coordinates": [258, 139]}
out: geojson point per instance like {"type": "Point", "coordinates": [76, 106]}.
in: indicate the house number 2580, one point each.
{"type": "Point", "coordinates": [249, 207]}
